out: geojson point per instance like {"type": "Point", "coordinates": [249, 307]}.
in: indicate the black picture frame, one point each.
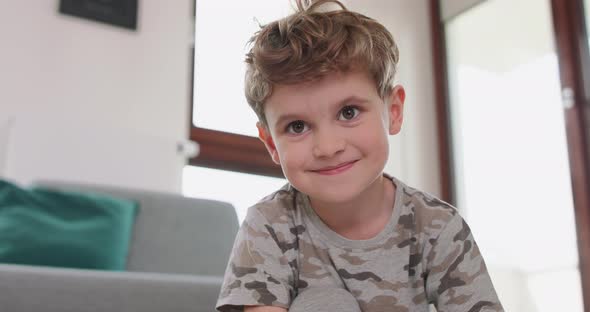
{"type": "Point", "coordinates": [121, 13]}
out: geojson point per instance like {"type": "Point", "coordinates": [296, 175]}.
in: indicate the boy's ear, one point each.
{"type": "Point", "coordinates": [266, 138]}
{"type": "Point", "coordinates": [395, 107]}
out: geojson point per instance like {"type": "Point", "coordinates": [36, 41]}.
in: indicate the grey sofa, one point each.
{"type": "Point", "coordinates": [176, 262]}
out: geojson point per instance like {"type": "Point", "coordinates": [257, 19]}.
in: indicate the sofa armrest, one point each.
{"type": "Point", "coordinates": [33, 288]}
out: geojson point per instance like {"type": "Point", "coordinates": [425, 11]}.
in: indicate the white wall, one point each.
{"type": "Point", "coordinates": [5, 127]}
{"type": "Point", "coordinates": [85, 151]}
{"type": "Point", "coordinates": [413, 152]}
{"type": "Point", "coordinates": [81, 69]}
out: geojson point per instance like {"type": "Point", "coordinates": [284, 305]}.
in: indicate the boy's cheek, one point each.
{"type": "Point", "coordinates": [291, 156]}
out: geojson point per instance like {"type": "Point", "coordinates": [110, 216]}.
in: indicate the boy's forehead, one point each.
{"type": "Point", "coordinates": [332, 87]}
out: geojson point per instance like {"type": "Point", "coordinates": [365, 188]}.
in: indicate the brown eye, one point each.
{"type": "Point", "coordinates": [348, 113]}
{"type": "Point", "coordinates": [297, 127]}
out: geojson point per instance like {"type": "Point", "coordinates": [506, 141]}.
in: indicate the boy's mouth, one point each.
{"type": "Point", "coordinates": [332, 170]}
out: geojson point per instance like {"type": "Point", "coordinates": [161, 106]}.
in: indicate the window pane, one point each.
{"type": "Point", "coordinates": [239, 189]}
{"type": "Point", "coordinates": [511, 162]}
{"type": "Point", "coordinates": [223, 29]}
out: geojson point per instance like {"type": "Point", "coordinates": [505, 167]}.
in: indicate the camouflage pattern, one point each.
{"type": "Point", "coordinates": [425, 254]}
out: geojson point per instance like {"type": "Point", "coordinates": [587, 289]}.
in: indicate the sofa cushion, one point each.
{"type": "Point", "coordinates": [172, 233]}
{"type": "Point", "coordinates": [42, 226]}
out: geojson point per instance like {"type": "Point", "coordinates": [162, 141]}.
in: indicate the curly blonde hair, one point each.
{"type": "Point", "coordinates": [310, 43]}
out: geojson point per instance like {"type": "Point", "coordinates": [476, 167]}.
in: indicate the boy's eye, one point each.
{"type": "Point", "coordinates": [348, 113]}
{"type": "Point", "coordinates": [297, 127]}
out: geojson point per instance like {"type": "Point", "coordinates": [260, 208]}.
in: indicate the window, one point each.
{"type": "Point", "coordinates": [222, 122]}
{"type": "Point", "coordinates": [233, 165]}
{"type": "Point", "coordinates": [511, 166]}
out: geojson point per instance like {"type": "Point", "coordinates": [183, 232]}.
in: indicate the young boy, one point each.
{"type": "Point", "coordinates": [342, 235]}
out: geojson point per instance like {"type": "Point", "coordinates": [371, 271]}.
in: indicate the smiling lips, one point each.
{"type": "Point", "coordinates": [335, 169]}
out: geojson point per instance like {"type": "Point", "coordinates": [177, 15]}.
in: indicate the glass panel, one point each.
{"type": "Point", "coordinates": [219, 61]}
{"type": "Point", "coordinates": [511, 164]}
{"type": "Point", "coordinates": [239, 189]}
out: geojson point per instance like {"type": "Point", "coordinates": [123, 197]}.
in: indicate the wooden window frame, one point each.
{"type": "Point", "coordinates": [228, 151]}
{"type": "Point", "coordinates": [574, 62]}
{"type": "Point", "coordinates": [574, 66]}
{"type": "Point", "coordinates": [224, 150]}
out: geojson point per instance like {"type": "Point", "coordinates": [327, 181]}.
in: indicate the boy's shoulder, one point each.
{"type": "Point", "coordinates": [422, 211]}
{"type": "Point", "coordinates": [275, 208]}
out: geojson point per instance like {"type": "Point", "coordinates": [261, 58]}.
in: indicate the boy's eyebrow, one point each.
{"type": "Point", "coordinates": [353, 99]}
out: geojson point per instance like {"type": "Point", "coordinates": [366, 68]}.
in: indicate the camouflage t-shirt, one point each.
{"type": "Point", "coordinates": [425, 254]}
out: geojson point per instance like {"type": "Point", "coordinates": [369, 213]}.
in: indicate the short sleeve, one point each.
{"type": "Point", "coordinates": [258, 271]}
{"type": "Point", "coordinates": [457, 279]}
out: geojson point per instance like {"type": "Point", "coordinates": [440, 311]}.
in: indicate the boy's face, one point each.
{"type": "Point", "coordinates": [330, 136]}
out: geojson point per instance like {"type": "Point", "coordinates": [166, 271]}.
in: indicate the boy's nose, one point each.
{"type": "Point", "coordinates": [327, 144]}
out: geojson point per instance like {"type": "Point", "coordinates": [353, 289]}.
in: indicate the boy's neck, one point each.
{"type": "Point", "coordinates": [365, 216]}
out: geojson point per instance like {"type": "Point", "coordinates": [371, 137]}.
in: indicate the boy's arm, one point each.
{"type": "Point", "coordinates": [456, 275]}
{"type": "Point", "coordinates": [263, 309]}
{"type": "Point", "coordinates": [259, 273]}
